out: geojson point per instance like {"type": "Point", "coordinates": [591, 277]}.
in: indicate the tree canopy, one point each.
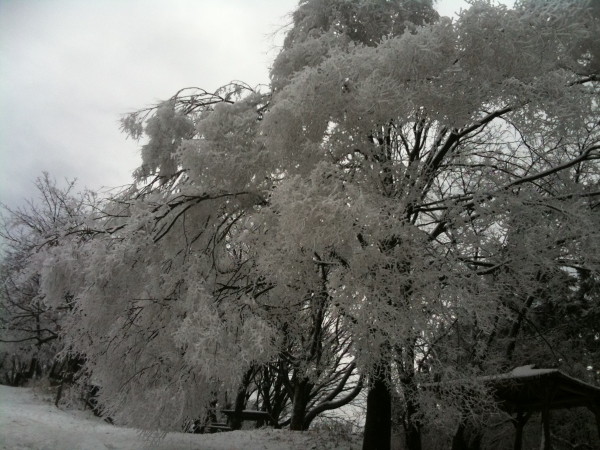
{"type": "Point", "coordinates": [412, 200]}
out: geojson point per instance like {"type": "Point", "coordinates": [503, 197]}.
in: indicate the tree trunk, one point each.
{"type": "Point", "coordinates": [378, 424]}
{"type": "Point", "coordinates": [300, 401]}
{"type": "Point", "coordinates": [595, 409]}
{"type": "Point", "coordinates": [518, 445]}
{"type": "Point", "coordinates": [458, 441]}
{"type": "Point", "coordinates": [597, 414]}
{"type": "Point", "coordinates": [412, 427]}
{"type": "Point", "coordinates": [476, 440]}
{"type": "Point", "coordinates": [52, 372]}
{"type": "Point", "coordinates": [467, 437]}
{"type": "Point", "coordinates": [236, 418]}
{"type": "Point", "coordinates": [240, 401]}
{"type": "Point", "coordinates": [59, 393]}
{"type": "Point", "coordinates": [33, 368]}
{"type": "Point", "coordinates": [261, 422]}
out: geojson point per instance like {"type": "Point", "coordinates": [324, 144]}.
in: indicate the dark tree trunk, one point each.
{"type": "Point", "coordinates": [59, 393]}
{"type": "Point", "coordinates": [378, 424]}
{"type": "Point", "coordinates": [518, 445]}
{"type": "Point", "coordinates": [595, 409]}
{"type": "Point", "coordinates": [55, 370]}
{"type": "Point", "coordinates": [467, 437]}
{"type": "Point", "coordinates": [476, 440]}
{"type": "Point", "coordinates": [261, 422]}
{"type": "Point", "coordinates": [299, 404]}
{"type": "Point", "coordinates": [274, 394]}
{"type": "Point", "coordinates": [518, 322]}
{"type": "Point", "coordinates": [412, 427]}
{"type": "Point", "coordinates": [458, 441]}
{"type": "Point", "coordinates": [69, 369]}
{"type": "Point", "coordinates": [33, 368]}
{"type": "Point", "coordinates": [596, 412]}
{"type": "Point", "coordinates": [240, 401]}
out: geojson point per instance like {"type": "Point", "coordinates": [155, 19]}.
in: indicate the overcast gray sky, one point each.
{"type": "Point", "coordinates": [70, 68]}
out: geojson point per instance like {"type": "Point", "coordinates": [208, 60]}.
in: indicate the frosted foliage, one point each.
{"type": "Point", "coordinates": [308, 53]}
{"type": "Point", "coordinates": [144, 351]}
{"type": "Point", "coordinates": [363, 21]}
{"type": "Point", "coordinates": [319, 27]}
{"type": "Point", "coordinates": [384, 295]}
{"type": "Point", "coordinates": [207, 331]}
{"type": "Point", "coordinates": [31, 234]}
{"type": "Point", "coordinates": [514, 56]}
{"type": "Point", "coordinates": [397, 278]}
{"type": "Point", "coordinates": [227, 155]}
{"type": "Point", "coordinates": [311, 215]}
{"type": "Point", "coordinates": [60, 274]}
{"type": "Point", "coordinates": [397, 200]}
{"type": "Point", "coordinates": [165, 132]}
{"type": "Point", "coordinates": [146, 328]}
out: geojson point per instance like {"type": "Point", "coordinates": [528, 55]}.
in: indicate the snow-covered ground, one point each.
{"type": "Point", "coordinates": [29, 420]}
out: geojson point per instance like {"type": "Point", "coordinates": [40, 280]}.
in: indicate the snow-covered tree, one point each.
{"type": "Point", "coordinates": [30, 327]}
{"type": "Point", "coordinates": [446, 144]}
{"type": "Point", "coordinates": [410, 193]}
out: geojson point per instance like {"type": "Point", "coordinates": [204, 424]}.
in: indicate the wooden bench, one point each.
{"type": "Point", "coordinates": [218, 427]}
{"type": "Point", "coordinates": [249, 414]}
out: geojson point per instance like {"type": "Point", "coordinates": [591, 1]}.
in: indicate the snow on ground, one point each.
{"type": "Point", "coordinates": [29, 420]}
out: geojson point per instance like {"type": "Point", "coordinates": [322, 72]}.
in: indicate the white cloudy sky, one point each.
{"type": "Point", "coordinates": [69, 68]}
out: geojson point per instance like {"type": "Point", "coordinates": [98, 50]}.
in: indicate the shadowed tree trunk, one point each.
{"type": "Point", "coordinates": [378, 424]}
{"type": "Point", "coordinates": [240, 401]}
{"type": "Point", "coordinates": [300, 401]}
{"type": "Point", "coordinates": [596, 412]}
{"type": "Point", "coordinates": [458, 441]}
{"type": "Point", "coordinates": [467, 437]}
{"type": "Point", "coordinates": [413, 430]}
{"type": "Point", "coordinates": [274, 393]}
{"type": "Point", "coordinates": [412, 426]}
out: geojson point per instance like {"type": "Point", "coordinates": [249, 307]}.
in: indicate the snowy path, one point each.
{"type": "Point", "coordinates": [27, 421]}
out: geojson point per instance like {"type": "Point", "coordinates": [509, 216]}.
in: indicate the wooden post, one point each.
{"type": "Point", "coordinates": [519, 423]}
{"type": "Point", "coordinates": [595, 409]}
{"type": "Point", "coordinates": [546, 443]}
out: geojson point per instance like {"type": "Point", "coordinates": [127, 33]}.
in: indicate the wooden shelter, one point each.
{"type": "Point", "coordinates": [527, 390]}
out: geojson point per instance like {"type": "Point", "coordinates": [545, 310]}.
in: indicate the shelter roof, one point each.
{"type": "Point", "coordinates": [531, 389]}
